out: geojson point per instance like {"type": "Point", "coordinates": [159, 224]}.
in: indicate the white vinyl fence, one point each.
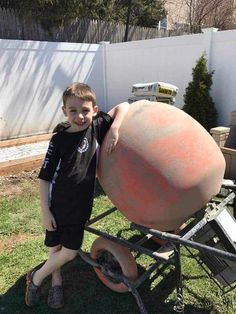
{"type": "Point", "coordinates": [34, 74]}
{"type": "Point", "coordinates": [33, 77]}
{"type": "Point", "coordinates": [171, 60]}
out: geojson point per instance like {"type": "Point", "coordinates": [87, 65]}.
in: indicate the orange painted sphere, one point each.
{"type": "Point", "coordinates": [165, 167]}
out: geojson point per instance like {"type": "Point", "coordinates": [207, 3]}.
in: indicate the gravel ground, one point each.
{"type": "Point", "coordinates": [27, 150]}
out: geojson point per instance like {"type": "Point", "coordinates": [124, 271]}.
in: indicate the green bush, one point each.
{"type": "Point", "coordinates": [198, 101]}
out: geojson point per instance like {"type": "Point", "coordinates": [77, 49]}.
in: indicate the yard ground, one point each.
{"type": "Point", "coordinates": [21, 249]}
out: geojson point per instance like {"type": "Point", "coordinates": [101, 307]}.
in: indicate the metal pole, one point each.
{"type": "Point", "coordinates": [179, 304]}
{"type": "Point", "coordinates": [177, 239]}
{"type": "Point", "coordinates": [127, 21]}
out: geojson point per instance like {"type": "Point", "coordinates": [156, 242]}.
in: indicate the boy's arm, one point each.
{"type": "Point", "coordinates": [118, 113]}
{"type": "Point", "coordinates": [47, 218]}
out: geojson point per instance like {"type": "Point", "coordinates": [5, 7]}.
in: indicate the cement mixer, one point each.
{"type": "Point", "coordinates": [165, 167]}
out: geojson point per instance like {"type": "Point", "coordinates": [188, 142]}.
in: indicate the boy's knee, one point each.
{"type": "Point", "coordinates": [68, 254]}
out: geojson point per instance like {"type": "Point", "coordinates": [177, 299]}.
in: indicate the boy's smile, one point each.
{"type": "Point", "coordinates": [80, 113]}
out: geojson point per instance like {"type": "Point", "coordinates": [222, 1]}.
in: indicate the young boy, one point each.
{"type": "Point", "coordinates": [67, 180]}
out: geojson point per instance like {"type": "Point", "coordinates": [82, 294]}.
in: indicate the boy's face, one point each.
{"type": "Point", "coordinates": [79, 113]}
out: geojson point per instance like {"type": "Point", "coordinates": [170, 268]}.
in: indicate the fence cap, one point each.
{"type": "Point", "coordinates": [219, 130]}
{"type": "Point", "coordinates": [104, 42]}
{"type": "Point", "coordinates": [210, 30]}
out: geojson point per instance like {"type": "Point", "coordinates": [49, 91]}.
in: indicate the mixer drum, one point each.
{"type": "Point", "coordinates": [164, 168]}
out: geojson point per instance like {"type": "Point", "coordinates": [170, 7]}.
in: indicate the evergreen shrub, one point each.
{"type": "Point", "coordinates": [198, 102]}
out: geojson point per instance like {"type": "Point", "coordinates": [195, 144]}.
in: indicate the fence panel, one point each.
{"type": "Point", "coordinates": [14, 26]}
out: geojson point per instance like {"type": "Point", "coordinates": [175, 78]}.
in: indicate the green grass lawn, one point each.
{"type": "Point", "coordinates": [21, 249]}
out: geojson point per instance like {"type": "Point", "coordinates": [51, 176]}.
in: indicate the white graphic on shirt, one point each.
{"type": "Point", "coordinates": [54, 179]}
{"type": "Point", "coordinates": [49, 152]}
{"type": "Point", "coordinates": [84, 146]}
{"type": "Point", "coordinates": [56, 172]}
{"type": "Point", "coordinates": [50, 148]}
{"type": "Point", "coordinates": [46, 162]}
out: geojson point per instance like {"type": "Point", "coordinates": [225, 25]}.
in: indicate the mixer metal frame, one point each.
{"type": "Point", "coordinates": [205, 233]}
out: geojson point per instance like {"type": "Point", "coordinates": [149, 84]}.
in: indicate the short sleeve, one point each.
{"type": "Point", "coordinates": [51, 161]}
{"type": "Point", "coordinates": [102, 124]}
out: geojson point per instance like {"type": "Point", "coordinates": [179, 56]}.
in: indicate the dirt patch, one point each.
{"type": "Point", "coordinates": [12, 241]}
{"type": "Point", "coordinates": [9, 189]}
{"type": "Point", "coordinates": [14, 184]}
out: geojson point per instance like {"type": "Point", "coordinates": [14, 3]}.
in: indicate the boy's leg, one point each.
{"type": "Point", "coordinates": [31, 293]}
{"type": "Point", "coordinates": [55, 294]}
{"type": "Point", "coordinates": [57, 258]}
{"type": "Point", "coordinates": [56, 275]}
{"type": "Point", "coordinates": [55, 261]}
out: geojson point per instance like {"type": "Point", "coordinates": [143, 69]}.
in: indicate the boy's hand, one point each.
{"type": "Point", "coordinates": [48, 221]}
{"type": "Point", "coordinates": [118, 113]}
{"type": "Point", "coordinates": [111, 139]}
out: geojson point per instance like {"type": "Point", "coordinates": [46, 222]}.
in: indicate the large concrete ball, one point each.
{"type": "Point", "coordinates": [165, 167]}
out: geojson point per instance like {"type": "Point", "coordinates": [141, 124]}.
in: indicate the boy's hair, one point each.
{"type": "Point", "coordinates": [81, 91]}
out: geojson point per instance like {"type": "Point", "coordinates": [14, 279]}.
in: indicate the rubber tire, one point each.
{"type": "Point", "coordinates": [122, 256]}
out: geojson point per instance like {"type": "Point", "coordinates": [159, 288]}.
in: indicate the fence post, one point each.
{"type": "Point", "coordinates": [208, 34]}
{"type": "Point", "coordinates": [104, 62]}
{"type": "Point", "coordinates": [220, 134]}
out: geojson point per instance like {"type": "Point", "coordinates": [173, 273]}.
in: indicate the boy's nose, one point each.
{"type": "Point", "coordinates": [81, 116]}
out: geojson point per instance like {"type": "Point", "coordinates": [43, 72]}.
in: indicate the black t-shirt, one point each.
{"type": "Point", "coordinates": [70, 166]}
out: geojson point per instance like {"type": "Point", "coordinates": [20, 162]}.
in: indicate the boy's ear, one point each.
{"type": "Point", "coordinates": [95, 110]}
{"type": "Point", "coordinates": [64, 110]}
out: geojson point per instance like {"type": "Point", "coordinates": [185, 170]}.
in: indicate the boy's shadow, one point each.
{"type": "Point", "coordinates": [85, 293]}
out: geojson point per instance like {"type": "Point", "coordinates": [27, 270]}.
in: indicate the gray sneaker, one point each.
{"type": "Point", "coordinates": [31, 292]}
{"type": "Point", "coordinates": [55, 297]}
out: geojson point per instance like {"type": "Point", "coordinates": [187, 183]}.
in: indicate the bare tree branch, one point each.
{"type": "Point", "coordinates": [215, 13]}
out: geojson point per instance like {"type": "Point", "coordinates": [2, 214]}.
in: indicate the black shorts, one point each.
{"type": "Point", "coordinates": [69, 236]}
